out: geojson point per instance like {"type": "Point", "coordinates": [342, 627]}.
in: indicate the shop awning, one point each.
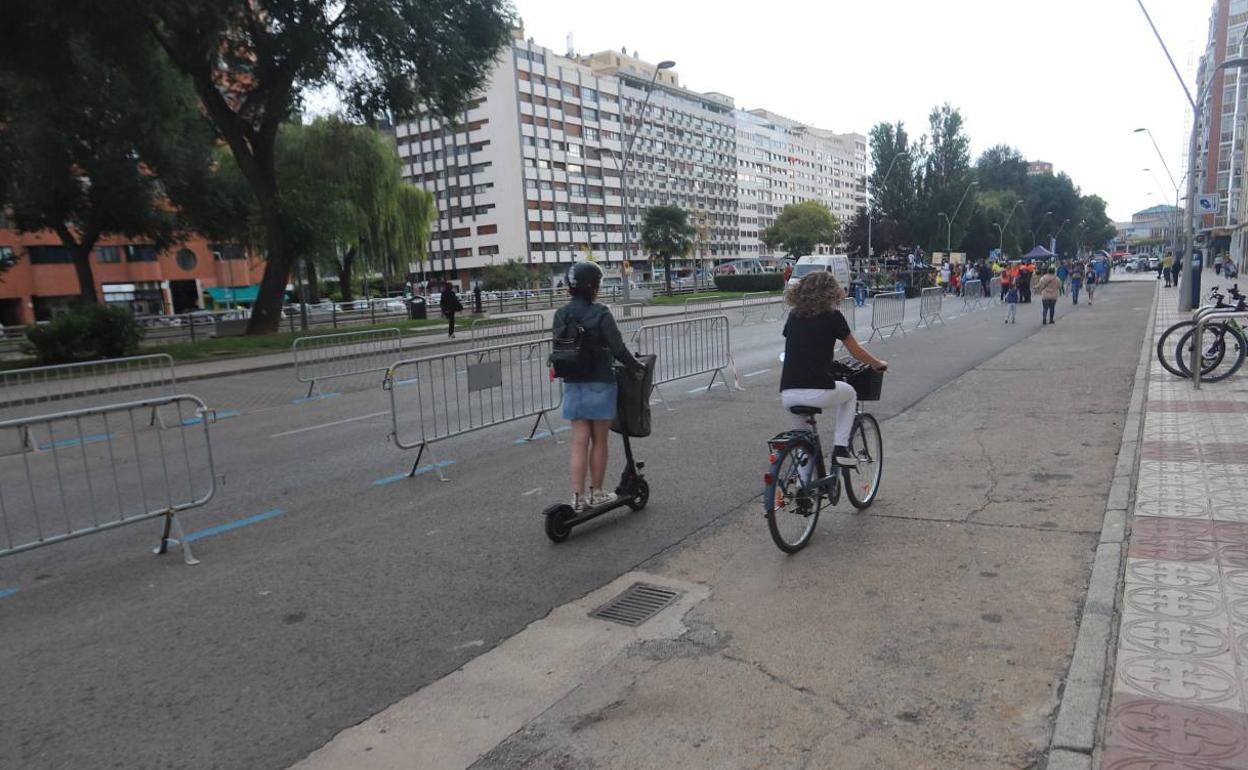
{"type": "Point", "coordinates": [231, 295]}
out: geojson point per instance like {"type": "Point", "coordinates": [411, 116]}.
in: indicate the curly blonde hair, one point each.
{"type": "Point", "coordinates": [815, 293]}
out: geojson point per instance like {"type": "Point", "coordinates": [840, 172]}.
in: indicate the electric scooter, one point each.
{"type": "Point", "coordinates": [633, 490]}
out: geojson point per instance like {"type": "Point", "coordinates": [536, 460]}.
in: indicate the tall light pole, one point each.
{"type": "Point", "coordinates": [1053, 241]}
{"type": "Point", "coordinates": [870, 203]}
{"type": "Point", "coordinates": [1039, 229]}
{"type": "Point", "coordinates": [949, 235]}
{"type": "Point", "coordinates": [948, 227]}
{"type": "Point", "coordinates": [1174, 234]}
{"type": "Point", "coordinates": [1001, 245]}
{"type": "Point", "coordinates": [626, 268]}
{"type": "Point", "coordinates": [1001, 242]}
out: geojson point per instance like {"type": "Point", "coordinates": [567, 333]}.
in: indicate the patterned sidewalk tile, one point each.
{"type": "Point", "coordinates": [1180, 682]}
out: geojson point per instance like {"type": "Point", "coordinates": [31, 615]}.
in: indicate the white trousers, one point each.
{"type": "Point", "coordinates": [842, 399]}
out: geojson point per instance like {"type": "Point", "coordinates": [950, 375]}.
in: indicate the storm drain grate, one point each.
{"type": "Point", "coordinates": [638, 603]}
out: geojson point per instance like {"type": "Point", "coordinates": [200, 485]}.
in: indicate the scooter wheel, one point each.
{"type": "Point", "coordinates": [641, 496]}
{"type": "Point", "coordinates": [557, 527]}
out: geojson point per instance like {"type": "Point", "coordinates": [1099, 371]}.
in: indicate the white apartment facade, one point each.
{"type": "Point", "coordinates": [532, 168]}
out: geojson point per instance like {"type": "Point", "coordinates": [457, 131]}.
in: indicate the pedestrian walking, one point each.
{"type": "Point", "coordinates": [1230, 270]}
{"type": "Point", "coordinates": [450, 304]}
{"type": "Point", "coordinates": [1011, 304]}
{"type": "Point", "coordinates": [1217, 265]}
{"type": "Point", "coordinates": [589, 385]}
{"type": "Point", "coordinates": [1028, 273]}
{"type": "Point", "coordinates": [1076, 281]}
{"type": "Point", "coordinates": [476, 298]}
{"type": "Point", "coordinates": [1090, 281]}
{"type": "Point", "coordinates": [1167, 268]}
{"type": "Point", "coordinates": [1050, 289]}
{"type": "Point", "coordinates": [1006, 281]}
{"type": "Point", "coordinates": [946, 273]}
{"type": "Point", "coordinates": [1063, 274]}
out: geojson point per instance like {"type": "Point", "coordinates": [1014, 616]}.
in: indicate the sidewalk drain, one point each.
{"type": "Point", "coordinates": [638, 603]}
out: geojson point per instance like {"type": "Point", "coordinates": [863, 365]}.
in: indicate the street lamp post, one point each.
{"type": "Point", "coordinates": [1001, 228]}
{"type": "Point", "coordinates": [949, 232]}
{"type": "Point", "coordinates": [1035, 241]}
{"type": "Point", "coordinates": [1001, 241]}
{"type": "Point", "coordinates": [1053, 239]}
{"type": "Point", "coordinates": [626, 268]}
{"type": "Point", "coordinates": [871, 204]}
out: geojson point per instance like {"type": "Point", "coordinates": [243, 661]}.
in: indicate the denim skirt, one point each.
{"type": "Point", "coordinates": [589, 400]}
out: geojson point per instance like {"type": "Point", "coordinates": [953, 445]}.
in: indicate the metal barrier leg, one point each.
{"type": "Point", "coordinates": [436, 467]}
{"type": "Point", "coordinates": [662, 400]}
{"type": "Point", "coordinates": [550, 428]}
{"type": "Point", "coordinates": [173, 523]}
{"type": "Point", "coordinates": [28, 440]}
{"type": "Point", "coordinates": [736, 376]}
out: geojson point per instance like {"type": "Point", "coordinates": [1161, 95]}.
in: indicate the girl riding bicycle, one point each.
{"type": "Point", "coordinates": [809, 375]}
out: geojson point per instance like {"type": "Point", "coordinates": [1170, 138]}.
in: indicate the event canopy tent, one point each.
{"type": "Point", "coordinates": [1039, 252]}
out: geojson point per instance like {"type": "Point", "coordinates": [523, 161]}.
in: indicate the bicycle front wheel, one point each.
{"type": "Point", "coordinates": [867, 444]}
{"type": "Point", "coordinates": [1165, 346]}
{"type": "Point", "coordinates": [1222, 352]}
{"type": "Point", "coordinates": [792, 508]}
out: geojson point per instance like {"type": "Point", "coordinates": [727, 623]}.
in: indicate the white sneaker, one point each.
{"type": "Point", "coordinates": [599, 497]}
{"type": "Point", "coordinates": [579, 502]}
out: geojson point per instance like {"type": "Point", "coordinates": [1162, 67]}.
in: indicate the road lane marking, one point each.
{"type": "Point", "coordinates": [418, 472]}
{"type": "Point", "coordinates": [217, 530]}
{"type": "Point", "coordinates": [542, 434]}
{"type": "Point", "coordinates": [755, 374]}
{"type": "Point", "coordinates": [328, 424]}
{"type": "Point", "coordinates": [317, 397]}
{"type": "Point", "coordinates": [532, 492]}
{"type": "Point", "coordinates": [7, 592]}
{"type": "Point", "coordinates": [704, 388]}
{"type": "Point", "coordinates": [61, 443]}
{"type": "Point", "coordinates": [219, 414]}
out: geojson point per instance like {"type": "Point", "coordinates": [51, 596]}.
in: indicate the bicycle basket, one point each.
{"type": "Point", "coordinates": [867, 383]}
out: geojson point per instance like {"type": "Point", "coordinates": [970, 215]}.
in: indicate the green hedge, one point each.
{"type": "Point", "coordinates": [98, 331]}
{"type": "Point", "coordinates": [752, 282]}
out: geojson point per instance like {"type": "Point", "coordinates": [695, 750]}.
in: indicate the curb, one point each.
{"type": "Point", "coordinates": [1079, 713]}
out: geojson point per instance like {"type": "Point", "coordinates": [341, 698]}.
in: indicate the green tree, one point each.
{"type": "Point", "coordinates": [665, 231]}
{"type": "Point", "coordinates": [893, 193]}
{"type": "Point", "coordinates": [946, 174]}
{"type": "Point", "coordinates": [1002, 167]}
{"type": "Point", "coordinates": [97, 146]}
{"type": "Point", "coordinates": [802, 226]}
{"type": "Point", "coordinates": [512, 274]}
{"type": "Point", "coordinates": [251, 60]}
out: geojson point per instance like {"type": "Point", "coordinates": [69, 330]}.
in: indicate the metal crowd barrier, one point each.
{"type": "Point", "coordinates": [760, 303]}
{"type": "Point", "coordinates": [849, 309]}
{"type": "Point", "coordinates": [972, 295]}
{"type": "Point", "coordinates": [1203, 317]}
{"type": "Point", "coordinates": [689, 348]}
{"type": "Point", "coordinates": [931, 301]}
{"type": "Point", "coordinates": [437, 397]}
{"type": "Point", "coordinates": [629, 317]}
{"type": "Point", "coordinates": [888, 312]}
{"type": "Point", "coordinates": [29, 391]}
{"type": "Point", "coordinates": [703, 305]}
{"type": "Point", "coordinates": [105, 467]}
{"type": "Point", "coordinates": [494, 331]}
{"type": "Point", "coordinates": [345, 354]}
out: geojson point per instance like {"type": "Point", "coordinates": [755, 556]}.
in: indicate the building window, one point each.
{"type": "Point", "coordinates": [487, 229]}
{"type": "Point", "coordinates": [186, 259]}
{"type": "Point", "coordinates": [108, 255]}
{"type": "Point", "coordinates": [139, 253]}
{"type": "Point", "coordinates": [7, 257]}
{"type": "Point", "coordinates": [486, 251]}
{"type": "Point", "coordinates": [224, 251]}
{"type": "Point", "coordinates": [50, 255]}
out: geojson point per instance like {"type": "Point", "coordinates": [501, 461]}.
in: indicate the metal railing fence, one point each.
{"type": "Point", "coordinates": [764, 305]}
{"type": "Point", "coordinates": [689, 348]}
{"type": "Point", "coordinates": [496, 331]}
{"type": "Point", "coordinates": [972, 295]}
{"type": "Point", "coordinates": [629, 318]}
{"type": "Point", "coordinates": [437, 397]}
{"type": "Point", "coordinates": [345, 354]}
{"type": "Point", "coordinates": [703, 306]}
{"type": "Point", "coordinates": [849, 309]}
{"type": "Point", "coordinates": [931, 302]}
{"type": "Point", "coordinates": [888, 313]}
{"type": "Point", "coordinates": [105, 467]}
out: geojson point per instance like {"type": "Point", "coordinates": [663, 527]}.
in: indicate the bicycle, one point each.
{"type": "Point", "coordinates": [1228, 337]}
{"type": "Point", "coordinates": [793, 503]}
{"type": "Point", "coordinates": [1164, 344]}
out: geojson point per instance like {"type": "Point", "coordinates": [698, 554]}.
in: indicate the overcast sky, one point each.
{"type": "Point", "coordinates": [1065, 81]}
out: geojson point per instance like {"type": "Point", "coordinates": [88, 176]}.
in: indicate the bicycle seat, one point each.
{"type": "Point", "coordinates": [805, 410]}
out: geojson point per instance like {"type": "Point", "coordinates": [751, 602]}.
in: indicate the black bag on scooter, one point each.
{"type": "Point", "coordinates": [632, 406]}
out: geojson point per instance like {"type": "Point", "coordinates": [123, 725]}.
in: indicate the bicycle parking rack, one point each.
{"type": "Point", "coordinates": [1203, 316]}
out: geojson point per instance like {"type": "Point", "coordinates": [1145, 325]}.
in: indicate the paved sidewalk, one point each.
{"type": "Point", "coordinates": [1180, 686]}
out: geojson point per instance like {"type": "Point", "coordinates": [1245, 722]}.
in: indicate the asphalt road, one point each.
{"type": "Point", "coordinates": [368, 585]}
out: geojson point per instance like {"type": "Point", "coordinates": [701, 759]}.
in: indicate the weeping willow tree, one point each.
{"type": "Point", "coordinates": [400, 240]}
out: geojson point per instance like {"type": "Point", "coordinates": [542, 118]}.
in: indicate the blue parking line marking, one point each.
{"type": "Point", "coordinates": [66, 442]}
{"type": "Point", "coordinates": [203, 533]}
{"type": "Point", "coordinates": [541, 434]}
{"type": "Point", "coordinates": [418, 472]}
{"type": "Point", "coordinates": [317, 397]}
{"type": "Point", "coordinates": [7, 592]}
{"type": "Point", "coordinates": [221, 414]}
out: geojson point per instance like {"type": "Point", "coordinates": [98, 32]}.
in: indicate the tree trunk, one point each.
{"type": "Point", "coordinates": [266, 312]}
{"type": "Point", "coordinates": [345, 268]}
{"type": "Point", "coordinates": [667, 274]}
{"type": "Point", "coordinates": [80, 248]}
{"type": "Point", "coordinates": [314, 284]}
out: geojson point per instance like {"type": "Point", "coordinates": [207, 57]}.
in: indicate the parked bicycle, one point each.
{"type": "Point", "coordinates": [797, 481]}
{"type": "Point", "coordinates": [1219, 343]}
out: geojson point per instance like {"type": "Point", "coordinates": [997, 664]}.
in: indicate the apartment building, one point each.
{"type": "Point", "coordinates": [782, 161]}
{"type": "Point", "coordinates": [1220, 136]}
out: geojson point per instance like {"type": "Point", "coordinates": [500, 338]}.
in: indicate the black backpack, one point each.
{"type": "Point", "coordinates": [572, 351]}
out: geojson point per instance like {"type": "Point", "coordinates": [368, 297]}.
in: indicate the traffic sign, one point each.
{"type": "Point", "coordinates": [1208, 204]}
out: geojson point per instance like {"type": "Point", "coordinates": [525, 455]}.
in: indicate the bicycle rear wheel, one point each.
{"type": "Point", "coordinates": [1166, 346]}
{"type": "Point", "coordinates": [792, 509]}
{"type": "Point", "coordinates": [867, 444]}
{"type": "Point", "coordinates": [1222, 352]}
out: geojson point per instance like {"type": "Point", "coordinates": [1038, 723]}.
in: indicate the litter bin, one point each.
{"type": "Point", "coordinates": [417, 309]}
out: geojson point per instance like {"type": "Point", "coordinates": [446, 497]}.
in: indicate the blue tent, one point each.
{"type": "Point", "coordinates": [1039, 252]}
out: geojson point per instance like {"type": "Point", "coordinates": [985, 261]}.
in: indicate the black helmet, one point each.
{"type": "Point", "coordinates": [584, 274]}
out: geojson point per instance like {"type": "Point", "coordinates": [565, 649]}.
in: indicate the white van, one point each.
{"type": "Point", "coordinates": [836, 264]}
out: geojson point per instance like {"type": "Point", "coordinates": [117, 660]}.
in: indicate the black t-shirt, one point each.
{"type": "Point", "coordinates": [809, 344]}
